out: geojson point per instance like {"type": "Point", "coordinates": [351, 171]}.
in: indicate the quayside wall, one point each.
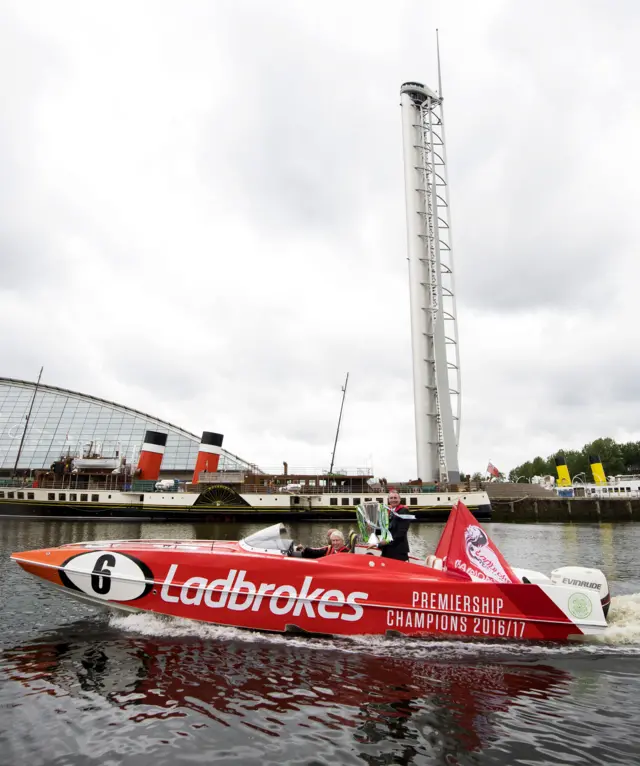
{"type": "Point", "coordinates": [563, 509]}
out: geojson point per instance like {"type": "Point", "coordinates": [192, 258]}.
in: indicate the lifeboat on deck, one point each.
{"type": "Point", "coordinates": [466, 590]}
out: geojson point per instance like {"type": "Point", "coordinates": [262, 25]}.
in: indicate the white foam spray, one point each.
{"type": "Point", "coordinates": [624, 621]}
{"type": "Point", "coordinates": [621, 637]}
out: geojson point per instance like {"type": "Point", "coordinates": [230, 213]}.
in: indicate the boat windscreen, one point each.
{"type": "Point", "coordinates": [272, 539]}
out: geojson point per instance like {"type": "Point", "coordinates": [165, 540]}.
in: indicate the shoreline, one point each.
{"type": "Point", "coordinates": [564, 509]}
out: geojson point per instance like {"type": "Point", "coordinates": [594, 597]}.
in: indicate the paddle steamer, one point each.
{"type": "Point", "coordinates": [108, 487]}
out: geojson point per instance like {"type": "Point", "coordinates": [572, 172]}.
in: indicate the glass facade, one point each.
{"type": "Point", "coordinates": [65, 422]}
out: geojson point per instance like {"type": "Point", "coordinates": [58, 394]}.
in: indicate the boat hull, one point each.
{"type": "Point", "coordinates": [345, 594]}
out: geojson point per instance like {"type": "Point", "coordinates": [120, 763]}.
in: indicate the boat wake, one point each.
{"type": "Point", "coordinates": [621, 637]}
{"type": "Point", "coordinates": [624, 621]}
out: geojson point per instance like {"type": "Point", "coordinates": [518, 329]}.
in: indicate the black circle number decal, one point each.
{"type": "Point", "coordinates": [101, 577]}
{"type": "Point", "coordinates": [107, 575]}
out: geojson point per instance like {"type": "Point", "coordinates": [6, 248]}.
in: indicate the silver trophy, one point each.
{"type": "Point", "coordinates": [373, 522]}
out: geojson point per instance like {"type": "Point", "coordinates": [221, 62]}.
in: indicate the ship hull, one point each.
{"type": "Point", "coordinates": [184, 506]}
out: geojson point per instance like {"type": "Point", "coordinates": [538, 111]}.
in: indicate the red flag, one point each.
{"type": "Point", "coordinates": [472, 552]}
{"type": "Point", "coordinates": [492, 470]}
{"type": "Point", "coordinates": [445, 538]}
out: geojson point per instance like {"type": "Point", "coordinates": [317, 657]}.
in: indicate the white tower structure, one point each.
{"type": "Point", "coordinates": [434, 326]}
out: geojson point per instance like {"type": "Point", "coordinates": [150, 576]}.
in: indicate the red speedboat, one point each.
{"type": "Point", "coordinates": [259, 583]}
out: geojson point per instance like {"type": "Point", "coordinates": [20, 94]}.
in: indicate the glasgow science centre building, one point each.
{"type": "Point", "coordinates": [63, 452]}
{"type": "Point", "coordinates": [66, 422]}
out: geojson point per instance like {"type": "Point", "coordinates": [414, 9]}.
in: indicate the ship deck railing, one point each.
{"type": "Point", "coordinates": [358, 489]}
{"type": "Point", "coordinates": [71, 483]}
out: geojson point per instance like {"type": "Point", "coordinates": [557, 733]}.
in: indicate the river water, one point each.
{"type": "Point", "coordinates": [79, 685]}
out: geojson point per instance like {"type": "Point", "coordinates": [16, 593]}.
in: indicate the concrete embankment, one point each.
{"type": "Point", "coordinates": [529, 502]}
{"type": "Point", "coordinates": [529, 509]}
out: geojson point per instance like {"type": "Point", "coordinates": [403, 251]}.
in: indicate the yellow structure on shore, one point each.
{"type": "Point", "coordinates": [564, 480]}
{"type": "Point", "coordinates": [597, 470]}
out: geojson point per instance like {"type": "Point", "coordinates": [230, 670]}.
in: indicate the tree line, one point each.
{"type": "Point", "coordinates": [623, 458]}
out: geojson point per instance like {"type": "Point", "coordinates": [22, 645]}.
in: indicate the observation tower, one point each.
{"type": "Point", "coordinates": [434, 325]}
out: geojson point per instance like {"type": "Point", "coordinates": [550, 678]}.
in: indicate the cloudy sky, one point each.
{"type": "Point", "coordinates": [202, 217]}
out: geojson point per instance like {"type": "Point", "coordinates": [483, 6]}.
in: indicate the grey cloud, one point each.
{"type": "Point", "coordinates": [301, 136]}
{"type": "Point", "coordinates": [292, 263]}
{"type": "Point", "coordinates": [25, 246]}
{"type": "Point", "coordinates": [534, 200]}
{"type": "Point", "coordinates": [161, 371]}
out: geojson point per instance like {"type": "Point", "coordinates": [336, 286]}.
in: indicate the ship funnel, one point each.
{"type": "Point", "coordinates": [564, 480]}
{"type": "Point", "coordinates": [151, 454]}
{"type": "Point", "coordinates": [208, 454]}
{"type": "Point", "coordinates": [597, 470]}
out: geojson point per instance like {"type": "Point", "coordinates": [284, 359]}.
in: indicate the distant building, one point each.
{"type": "Point", "coordinates": [66, 422]}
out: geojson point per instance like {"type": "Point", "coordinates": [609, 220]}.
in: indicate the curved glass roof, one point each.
{"type": "Point", "coordinates": [67, 422]}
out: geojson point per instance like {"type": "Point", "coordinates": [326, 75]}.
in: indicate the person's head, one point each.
{"type": "Point", "coordinates": [394, 498]}
{"type": "Point", "coordinates": [336, 538]}
{"type": "Point", "coordinates": [329, 533]}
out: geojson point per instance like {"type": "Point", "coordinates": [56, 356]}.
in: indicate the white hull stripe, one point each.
{"type": "Point", "coordinates": [157, 448]}
{"type": "Point", "coordinates": [210, 448]}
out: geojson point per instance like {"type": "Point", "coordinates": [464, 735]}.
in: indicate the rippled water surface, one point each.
{"type": "Point", "coordinates": [79, 685]}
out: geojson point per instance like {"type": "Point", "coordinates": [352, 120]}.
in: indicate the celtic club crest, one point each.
{"type": "Point", "coordinates": [580, 606]}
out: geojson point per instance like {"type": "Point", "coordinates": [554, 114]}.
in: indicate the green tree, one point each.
{"type": "Point", "coordinates": [616, 459]}
{"type": "Point", "coordinates": [525, 470]}
{"type": "Point", "coordinates": [577, 462]}
{"type": "Point", "coordinates": [609, 453]}
{"type": "Point", "coordinates": [630, 454]}
{"type": "Point", "coordinates": [542, 467]}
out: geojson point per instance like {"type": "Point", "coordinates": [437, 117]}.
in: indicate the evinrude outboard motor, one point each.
{"type": "Point", "coordinates": [589, 579]}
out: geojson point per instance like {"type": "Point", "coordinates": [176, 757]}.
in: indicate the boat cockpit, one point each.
{"type": "Point", "coordinates": [273, 539]}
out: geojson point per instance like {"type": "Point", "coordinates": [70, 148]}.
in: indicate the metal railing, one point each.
{"type": "Point", "coordinates": [115, 484]}
{"type": "Point", "coordinates": [66, 483]}
{"type": "Point", "coordinates": [321, 473]}
{"type": "Point", "coordinates": [261, 489]}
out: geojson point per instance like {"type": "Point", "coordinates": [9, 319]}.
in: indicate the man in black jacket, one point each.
{"type": "Point", "coordinates": [398, 548]}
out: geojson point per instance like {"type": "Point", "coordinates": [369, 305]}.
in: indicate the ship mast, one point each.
{"type": "Point", "coordinates": [26, 424]}
{"type": "Point", "coordinates": [335, 444]}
